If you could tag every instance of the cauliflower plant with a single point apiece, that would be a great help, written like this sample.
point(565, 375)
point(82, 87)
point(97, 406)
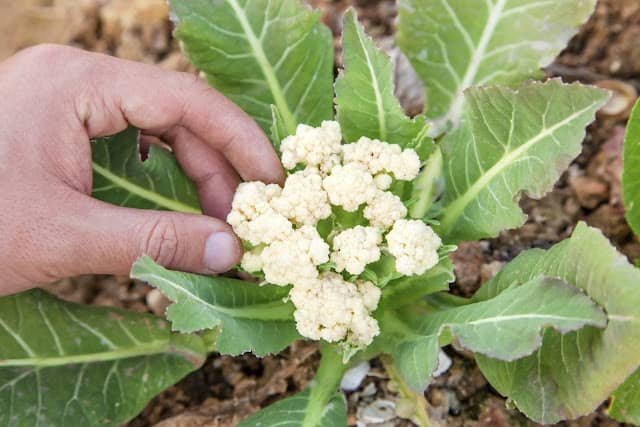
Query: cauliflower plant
point(329, 181)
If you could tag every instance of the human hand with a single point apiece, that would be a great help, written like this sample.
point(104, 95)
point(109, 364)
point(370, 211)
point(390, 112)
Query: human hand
point(53, 100)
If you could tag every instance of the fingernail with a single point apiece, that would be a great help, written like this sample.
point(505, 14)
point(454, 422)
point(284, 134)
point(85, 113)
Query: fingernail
point(220, 252)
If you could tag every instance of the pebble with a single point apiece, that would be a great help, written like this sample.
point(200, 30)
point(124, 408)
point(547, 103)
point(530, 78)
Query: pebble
point(354, 377)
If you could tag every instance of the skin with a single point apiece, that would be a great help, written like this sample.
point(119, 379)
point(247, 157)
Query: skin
point(53, 100)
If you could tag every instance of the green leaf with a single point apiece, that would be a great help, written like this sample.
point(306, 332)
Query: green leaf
point(250, 317)
point(365, 102)
point(570, 375)
point(290, 412)
point(510, 142)
point(631, 172)
point(121, 178)
point(625, 402)
point(63, 364)
point(409, 289)
point(261, 53)
point(506, 327)
point(456, 44)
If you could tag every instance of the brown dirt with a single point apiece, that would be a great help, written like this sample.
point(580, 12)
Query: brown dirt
point(227, 389)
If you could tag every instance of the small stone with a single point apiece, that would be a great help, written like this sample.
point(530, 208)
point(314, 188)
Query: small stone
point(354, 377)
point(157, 302)
point(378, 411)
point(590, 192)
point(488, 271)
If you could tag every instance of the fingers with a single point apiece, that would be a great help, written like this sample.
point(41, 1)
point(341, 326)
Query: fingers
point(151, 98)
point(214, 177)
point(107, 239)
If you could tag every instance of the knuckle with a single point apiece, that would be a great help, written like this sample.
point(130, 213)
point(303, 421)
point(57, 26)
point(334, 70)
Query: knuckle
point(160, 241)
point(44, 53)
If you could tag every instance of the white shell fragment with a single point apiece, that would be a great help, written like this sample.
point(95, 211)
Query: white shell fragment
point(354, 377)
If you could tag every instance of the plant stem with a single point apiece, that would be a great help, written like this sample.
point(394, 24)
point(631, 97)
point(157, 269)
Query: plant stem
point(424, 189)
point(419, 403)
point(325, 384)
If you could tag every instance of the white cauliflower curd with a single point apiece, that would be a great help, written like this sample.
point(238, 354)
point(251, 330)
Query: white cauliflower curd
point(311, 146)
point(332, 309)
point(303, 200)
point(414, 245)
point(294, 260)
point(349, 186)
point(356, 247)
point(384, 209)
point(377, 156)
point(280, 225)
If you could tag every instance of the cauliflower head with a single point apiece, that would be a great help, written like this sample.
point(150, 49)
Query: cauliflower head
point(280, 227)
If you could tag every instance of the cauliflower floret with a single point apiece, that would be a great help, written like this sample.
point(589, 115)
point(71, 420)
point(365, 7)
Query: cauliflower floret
point(294, 260)
point(349, 186)
point(251, 200)
point(266, 228)
point(384, 209)
point(312, 146)
point(303, 199)
point(378, 156)
point(370, 294)
point(252, 260)
point(383, 181)
point(414, 245)
point(406, 166)
point(356, 247)
point(332, 309)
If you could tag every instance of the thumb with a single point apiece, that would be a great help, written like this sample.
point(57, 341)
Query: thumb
point(111, 239)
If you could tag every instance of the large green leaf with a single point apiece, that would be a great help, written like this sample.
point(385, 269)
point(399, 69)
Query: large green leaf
point(625, 402)
point(63, 364)
point(261, 53)
point(571, 374)
point(456, 44)
point(120, 177)
point(631, 173)
point(250, 317)
point(365, 102)
point(506, 327)
point(510, 142)
point(290, 412)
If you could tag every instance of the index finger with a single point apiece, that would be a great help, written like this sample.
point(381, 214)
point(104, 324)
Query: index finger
point(150, 98)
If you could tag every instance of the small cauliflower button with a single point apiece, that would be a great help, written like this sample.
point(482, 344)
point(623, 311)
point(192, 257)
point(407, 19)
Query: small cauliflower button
point(252, 260)
point(311, 146)
point(384, 209)
point(251, 200)
point(349, 186)
point(356, 247)
point(414, 245)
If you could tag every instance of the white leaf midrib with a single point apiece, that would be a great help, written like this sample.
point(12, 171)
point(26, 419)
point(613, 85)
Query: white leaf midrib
point(265, 66)
point(455, 111)
point(382, 124)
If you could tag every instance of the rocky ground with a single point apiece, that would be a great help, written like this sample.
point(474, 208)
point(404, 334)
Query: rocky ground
point(605, 52)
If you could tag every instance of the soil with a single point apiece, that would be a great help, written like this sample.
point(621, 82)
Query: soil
point(225, 389)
